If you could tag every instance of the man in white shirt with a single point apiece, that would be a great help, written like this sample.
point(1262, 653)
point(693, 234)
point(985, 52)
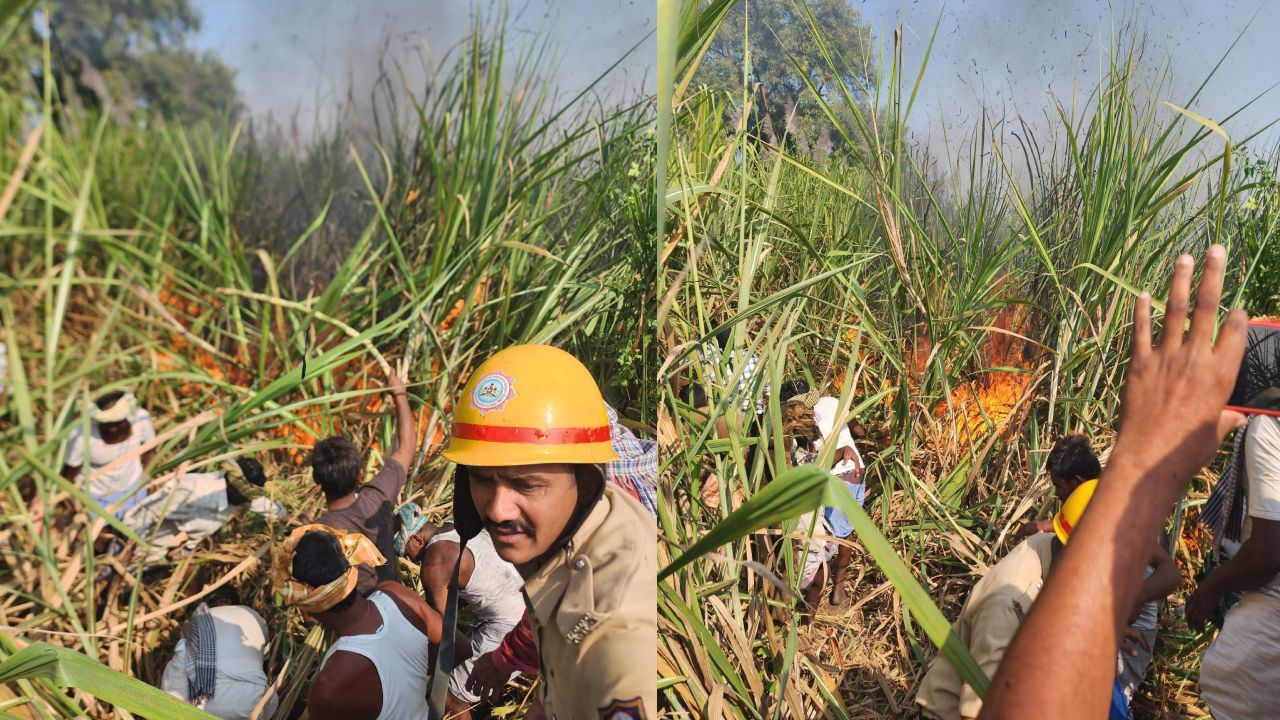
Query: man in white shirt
point(1240, 674)
point(217, 665)
point(849, 467)
point(118, 429)
point(194, 506)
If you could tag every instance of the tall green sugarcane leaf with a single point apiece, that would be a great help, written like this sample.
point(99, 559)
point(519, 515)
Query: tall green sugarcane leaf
point(69, 669)
point(806, 488)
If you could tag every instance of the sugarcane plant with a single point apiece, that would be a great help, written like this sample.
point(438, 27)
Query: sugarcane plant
point(968, 302)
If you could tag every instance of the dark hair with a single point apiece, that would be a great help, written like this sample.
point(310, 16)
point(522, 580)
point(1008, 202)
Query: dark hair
point(792, 388)
point(105, 401)
point(335, 466)
point(252, 470)
point(724, 337)
point(318, 560)
point(1072, 458)
point(695, 396)
point(225, 595)
point(253, 473)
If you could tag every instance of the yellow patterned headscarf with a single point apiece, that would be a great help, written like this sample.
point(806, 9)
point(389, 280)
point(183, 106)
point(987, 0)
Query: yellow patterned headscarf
point(356, 548)
point(234, 476)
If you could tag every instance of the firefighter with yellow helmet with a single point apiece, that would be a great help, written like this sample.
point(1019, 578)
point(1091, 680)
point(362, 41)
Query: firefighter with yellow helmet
point(530, 437)
point(994, 611)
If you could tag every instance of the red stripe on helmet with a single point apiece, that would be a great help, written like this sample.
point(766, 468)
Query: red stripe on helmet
point(537, 436)
point(1066, 526)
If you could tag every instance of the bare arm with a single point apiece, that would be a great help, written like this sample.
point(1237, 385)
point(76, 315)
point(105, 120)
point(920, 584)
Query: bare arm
point(1031, 527)
point(1180, 387)
point(437, 571)
point(1163, 581)
point(425, 618)
point(406, 433)
point(1257, 562)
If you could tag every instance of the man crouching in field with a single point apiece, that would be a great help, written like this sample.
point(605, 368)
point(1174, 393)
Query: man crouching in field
point(994, 611)
point(1072, 462)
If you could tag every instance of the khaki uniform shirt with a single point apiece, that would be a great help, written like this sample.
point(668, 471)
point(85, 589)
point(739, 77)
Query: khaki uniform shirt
point(995, 609)
point(593, 609)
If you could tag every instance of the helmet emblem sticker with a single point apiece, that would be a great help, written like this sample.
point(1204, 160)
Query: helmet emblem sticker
point(492, 392)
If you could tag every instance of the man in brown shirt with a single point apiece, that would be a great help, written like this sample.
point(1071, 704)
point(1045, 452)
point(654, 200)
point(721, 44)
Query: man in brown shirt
point(369, 509)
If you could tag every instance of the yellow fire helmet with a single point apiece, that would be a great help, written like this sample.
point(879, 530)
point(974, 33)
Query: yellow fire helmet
point(1073, 509)
point(526, 405)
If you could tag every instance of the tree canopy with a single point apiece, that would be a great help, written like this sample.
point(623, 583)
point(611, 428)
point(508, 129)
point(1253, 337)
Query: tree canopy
point(783, 55)
point(128, 57)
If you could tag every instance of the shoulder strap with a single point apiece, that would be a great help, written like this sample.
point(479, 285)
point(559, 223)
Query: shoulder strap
point(444, 658)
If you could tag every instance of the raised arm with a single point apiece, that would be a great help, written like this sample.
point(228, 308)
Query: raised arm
point(406, 432)
point(1180, 388)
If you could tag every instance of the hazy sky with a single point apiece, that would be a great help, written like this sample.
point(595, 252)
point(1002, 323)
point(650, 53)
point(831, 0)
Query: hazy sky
point(295, 55)
point(1009, 54)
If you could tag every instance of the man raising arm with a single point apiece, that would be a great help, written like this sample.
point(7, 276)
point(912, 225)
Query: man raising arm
point(368, 509)
point(1181, 387)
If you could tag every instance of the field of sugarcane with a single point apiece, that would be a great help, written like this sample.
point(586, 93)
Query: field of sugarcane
point(251, 293)
point(969, 303)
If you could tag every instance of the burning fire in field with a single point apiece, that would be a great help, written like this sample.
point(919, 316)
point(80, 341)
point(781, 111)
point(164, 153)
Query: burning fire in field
point(313, 421)
point(983, 405)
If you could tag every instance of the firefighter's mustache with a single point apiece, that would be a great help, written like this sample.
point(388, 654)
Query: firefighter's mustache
point(510, 526)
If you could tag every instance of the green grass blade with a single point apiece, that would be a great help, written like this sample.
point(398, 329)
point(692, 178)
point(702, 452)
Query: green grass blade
point(807, 488)
point(69, 669)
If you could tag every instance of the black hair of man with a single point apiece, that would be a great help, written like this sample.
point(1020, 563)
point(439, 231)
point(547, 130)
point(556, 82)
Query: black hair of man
point(695, 396)
point(725, 337)
point(335, 466)
point(318, 560)
point(253, 474)
point(224, 595)
point(1072, 458)
point(792, 388)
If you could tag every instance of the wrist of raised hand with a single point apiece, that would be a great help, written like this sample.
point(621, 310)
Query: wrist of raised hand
point(1161, 479)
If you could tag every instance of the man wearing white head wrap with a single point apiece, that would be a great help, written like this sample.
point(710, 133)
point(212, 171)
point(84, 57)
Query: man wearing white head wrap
point(117, 429)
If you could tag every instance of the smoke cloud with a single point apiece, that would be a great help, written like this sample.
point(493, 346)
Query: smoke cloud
point(1009, 55)
point(297, 60)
